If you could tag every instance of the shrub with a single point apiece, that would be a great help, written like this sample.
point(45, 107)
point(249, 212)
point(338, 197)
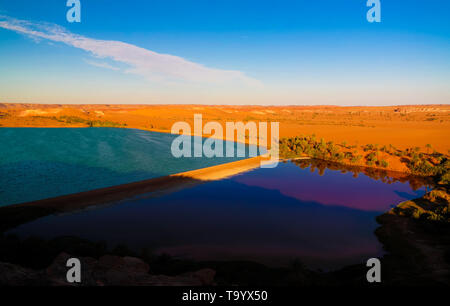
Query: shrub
point(356, 159)
point(422, 167)
point(371, 157)
point(384, 163)
point(445, 179)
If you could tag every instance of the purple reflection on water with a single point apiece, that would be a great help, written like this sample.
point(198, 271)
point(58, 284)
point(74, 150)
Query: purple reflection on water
point(332, 187)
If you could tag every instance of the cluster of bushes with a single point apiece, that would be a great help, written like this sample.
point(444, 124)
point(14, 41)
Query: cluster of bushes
point(391, 150)
point(91, 123)
point(373, 159)
point(87, 122)
point(72, 119)
point(419, 163)
point(310, 146)
point(438, 165)
point(98, 123)
point(408, 152)
point(370, 147)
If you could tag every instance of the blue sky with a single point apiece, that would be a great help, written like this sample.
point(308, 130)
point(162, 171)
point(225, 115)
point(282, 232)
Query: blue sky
point(225, 52)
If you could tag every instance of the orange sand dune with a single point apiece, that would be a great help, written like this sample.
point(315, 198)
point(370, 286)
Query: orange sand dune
point(401, 126)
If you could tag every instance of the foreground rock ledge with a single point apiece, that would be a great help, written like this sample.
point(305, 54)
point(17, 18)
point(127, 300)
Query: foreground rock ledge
point(416, 234)
point(106, 271)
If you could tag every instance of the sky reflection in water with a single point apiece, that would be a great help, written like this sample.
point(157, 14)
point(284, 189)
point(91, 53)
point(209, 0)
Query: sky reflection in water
point(268, 215)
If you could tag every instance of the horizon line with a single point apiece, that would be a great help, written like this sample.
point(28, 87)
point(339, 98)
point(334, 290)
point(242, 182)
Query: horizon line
point(223, 105)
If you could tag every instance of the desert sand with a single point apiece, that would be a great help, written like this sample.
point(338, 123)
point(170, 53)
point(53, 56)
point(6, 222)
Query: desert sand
point(404, 127)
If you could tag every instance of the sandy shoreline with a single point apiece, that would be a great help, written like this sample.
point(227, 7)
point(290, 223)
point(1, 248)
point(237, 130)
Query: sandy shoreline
point(14, 215)
point(158, 185)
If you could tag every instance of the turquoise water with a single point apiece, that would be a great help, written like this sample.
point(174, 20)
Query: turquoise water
point(39, 163)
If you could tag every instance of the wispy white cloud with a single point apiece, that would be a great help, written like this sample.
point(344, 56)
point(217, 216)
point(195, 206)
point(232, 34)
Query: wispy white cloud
point(100, 64)
point(149, 64)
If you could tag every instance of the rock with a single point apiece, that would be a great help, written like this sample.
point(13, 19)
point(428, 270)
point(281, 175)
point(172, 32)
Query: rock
point(13, 275)
point(57, 271)
point(110, 261)
point(118, 271)
point(163, 280)
point(205, 276)
point(58, 267)
point(134, 264)
point(109, 270)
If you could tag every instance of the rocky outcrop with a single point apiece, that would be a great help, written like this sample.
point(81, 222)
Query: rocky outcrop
point(108, 270)
point(433, 206)
point(416, 235)
point(13, 275)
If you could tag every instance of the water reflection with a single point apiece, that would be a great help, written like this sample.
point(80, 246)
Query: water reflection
point(385, 176)
point(333, 184)
point(266, 215)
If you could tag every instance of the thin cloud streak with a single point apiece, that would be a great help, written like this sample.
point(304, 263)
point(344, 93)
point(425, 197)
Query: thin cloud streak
point(149, 64)
point(100, 64)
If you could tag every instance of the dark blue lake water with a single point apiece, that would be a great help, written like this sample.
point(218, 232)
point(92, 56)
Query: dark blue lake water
point(324, 216)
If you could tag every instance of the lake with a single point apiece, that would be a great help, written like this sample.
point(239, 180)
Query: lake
point(320, 213)
point(39, 163)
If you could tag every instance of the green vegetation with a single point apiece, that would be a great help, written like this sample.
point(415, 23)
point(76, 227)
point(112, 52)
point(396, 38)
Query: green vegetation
point(308, 145)
point(72, 119)
point(436, 165)
point(384, 163)
point(320, 149)
point(371, 159)
point(356, 159)
point(98, 123)
point(88, 122)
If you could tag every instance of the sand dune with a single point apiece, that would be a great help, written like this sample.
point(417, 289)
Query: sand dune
point(401, 126)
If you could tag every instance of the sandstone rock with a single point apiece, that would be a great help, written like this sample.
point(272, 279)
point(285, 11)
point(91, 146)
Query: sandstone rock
point(205, 276)
point(134, 264)
point(13, 275)
point(110, 261)
point(109, 270)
